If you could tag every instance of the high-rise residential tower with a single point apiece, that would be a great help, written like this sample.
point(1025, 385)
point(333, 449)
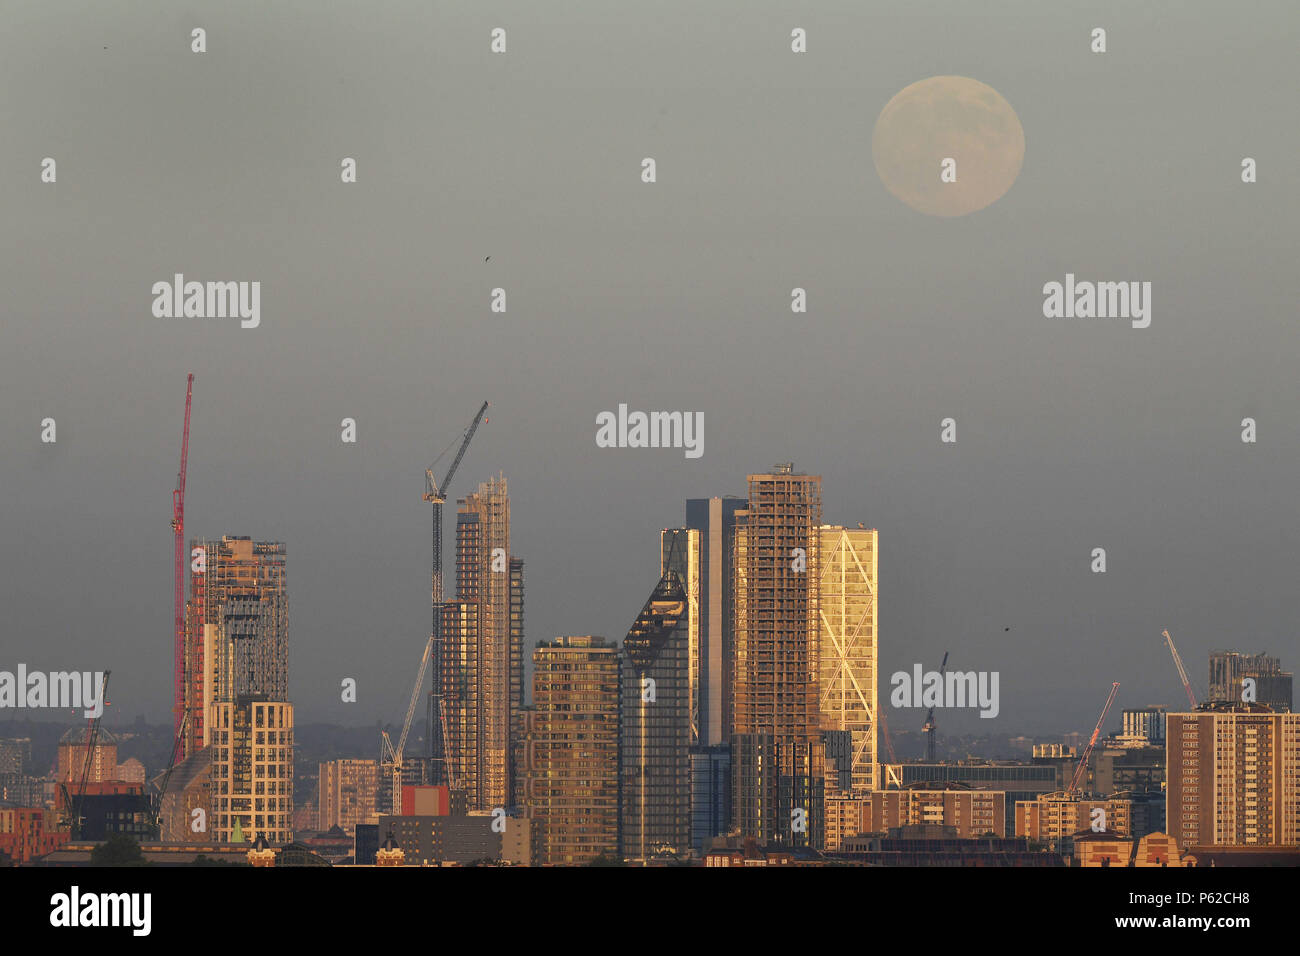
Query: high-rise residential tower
point(655, 726)
point(778, 769)
point(482, 654)
point(571, 751)
point(518, 692)
point(1233, 777)
point(251, 775)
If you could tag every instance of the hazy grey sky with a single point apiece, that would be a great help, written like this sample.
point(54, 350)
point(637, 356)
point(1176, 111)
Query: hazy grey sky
point(1072, 434)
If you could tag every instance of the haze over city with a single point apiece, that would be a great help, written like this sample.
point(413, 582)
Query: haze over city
point(1071, 434)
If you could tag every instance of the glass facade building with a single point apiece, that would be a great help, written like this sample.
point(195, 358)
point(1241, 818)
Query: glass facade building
point(656, 727)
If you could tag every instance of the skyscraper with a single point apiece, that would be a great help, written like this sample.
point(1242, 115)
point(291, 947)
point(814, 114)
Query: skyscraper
point(656, 728)
point(237, 684)
point(463, 694)
point(777, 560)
point(572, 750)
point(518, 692)
point(237, 629)
point(848, 648)
point(701, 554)
point(680, 555)
point(482, 675)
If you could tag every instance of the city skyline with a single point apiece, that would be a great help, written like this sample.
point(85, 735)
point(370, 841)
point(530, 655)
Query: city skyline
point(1169, 690)
point(376, 305)
point(601, 436)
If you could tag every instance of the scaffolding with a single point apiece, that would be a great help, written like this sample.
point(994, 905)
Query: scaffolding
point(237, 629)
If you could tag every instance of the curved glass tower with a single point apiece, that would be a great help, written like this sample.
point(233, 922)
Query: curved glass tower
point(656, 727)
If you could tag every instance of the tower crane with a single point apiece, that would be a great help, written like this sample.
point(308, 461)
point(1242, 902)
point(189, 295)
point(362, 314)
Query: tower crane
point(1092, 742)
point(930, 725)
point(435, 492)
point(1178, 662)
point(178, 591)
point(391, 756)
point(157, 807)
point(73, 801)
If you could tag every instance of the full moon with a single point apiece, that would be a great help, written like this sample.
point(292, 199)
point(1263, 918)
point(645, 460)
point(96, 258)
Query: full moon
point(942, 119)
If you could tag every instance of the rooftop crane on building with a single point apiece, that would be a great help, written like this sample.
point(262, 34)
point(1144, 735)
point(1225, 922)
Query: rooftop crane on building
point(178, 590)
point(930, 725)
point(1082, 768)
point(435, 493)
point(1182, 673)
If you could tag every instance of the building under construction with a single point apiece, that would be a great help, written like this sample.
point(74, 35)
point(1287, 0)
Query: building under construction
point(1273, 686)
point(236, 685)
point(482, 649)
point(237, 629)
point(777, 562)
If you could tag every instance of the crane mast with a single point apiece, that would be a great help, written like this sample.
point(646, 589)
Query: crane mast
point(156, 809)
point(391, 756)
point(178, 590)
point(1182, 673)
point(436, 494)
point(74, 801)
point(930, 725)
point(1092, 741)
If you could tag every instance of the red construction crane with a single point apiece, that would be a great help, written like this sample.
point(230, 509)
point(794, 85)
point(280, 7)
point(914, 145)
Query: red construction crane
point(1178, 662)
point(1092, 741)
point(178, 530)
